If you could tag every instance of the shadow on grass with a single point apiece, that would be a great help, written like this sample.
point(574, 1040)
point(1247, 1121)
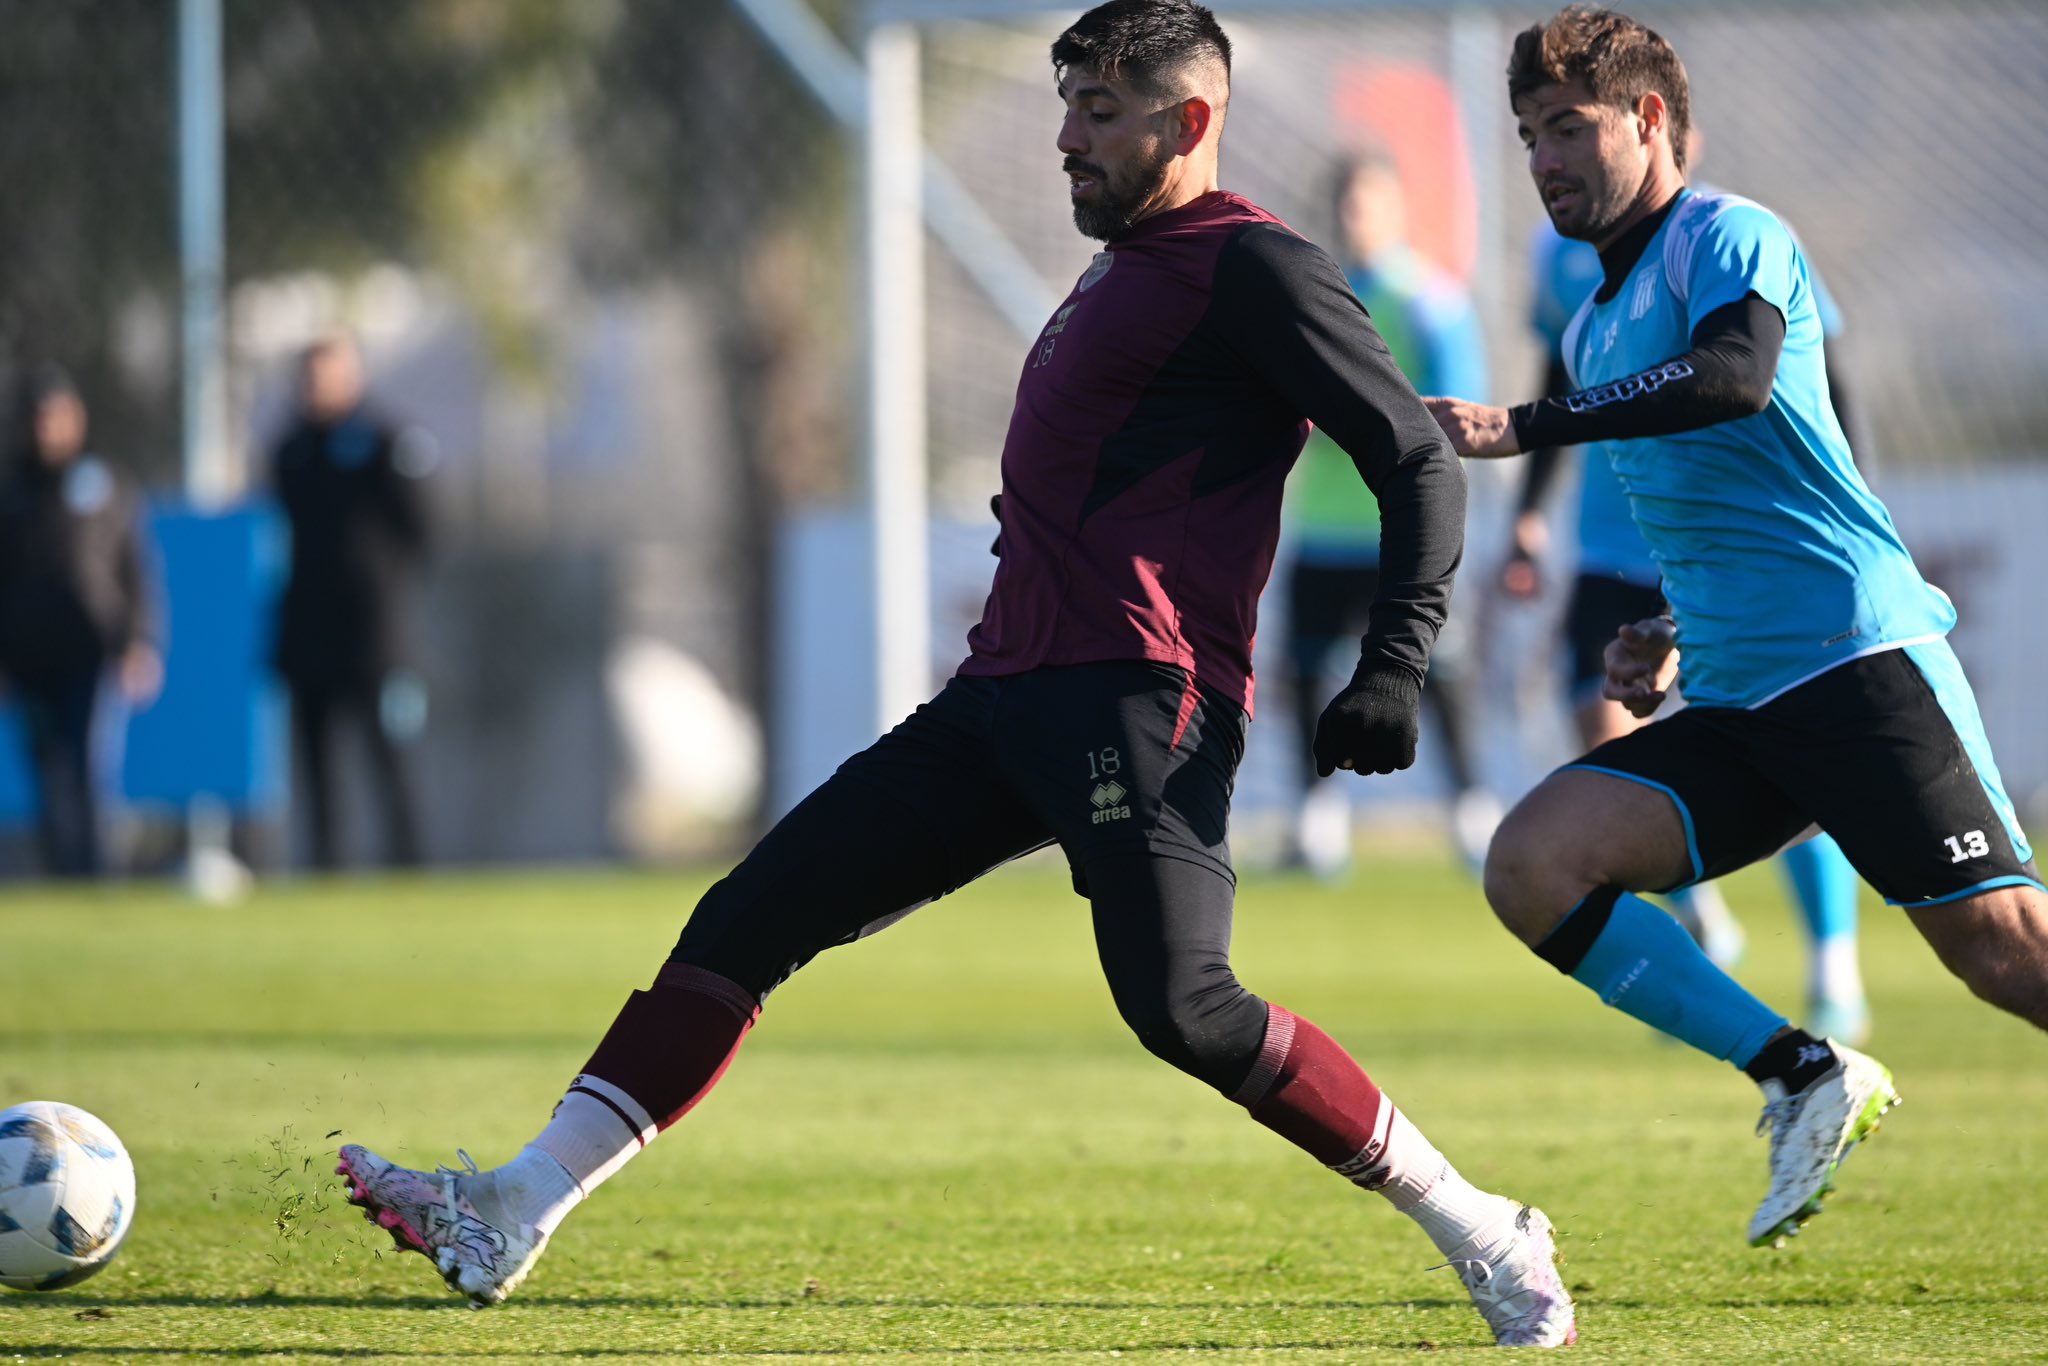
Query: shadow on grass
point(79, 1306)
point(93, 1308)
point(644, 1354)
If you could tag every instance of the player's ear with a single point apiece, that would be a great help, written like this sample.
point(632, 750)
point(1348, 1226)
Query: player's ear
point(1652, 114)
point(1191, 119)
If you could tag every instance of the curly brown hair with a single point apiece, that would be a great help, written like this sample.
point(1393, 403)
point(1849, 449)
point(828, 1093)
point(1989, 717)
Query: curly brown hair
point(1617, 59)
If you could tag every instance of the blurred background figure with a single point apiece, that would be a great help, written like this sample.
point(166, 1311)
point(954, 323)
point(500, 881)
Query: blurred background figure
point(351, 486)
point(645, 356)
point(1616, 581)
point(1425, 316)
point(78, 618)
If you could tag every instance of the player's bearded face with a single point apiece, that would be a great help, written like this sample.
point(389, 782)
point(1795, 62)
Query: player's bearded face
point(1117, 154)
point(1109, 197)
point(1588, 169)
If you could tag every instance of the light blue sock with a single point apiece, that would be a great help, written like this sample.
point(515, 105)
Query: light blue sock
point(1644, 964)
point(1824, 884)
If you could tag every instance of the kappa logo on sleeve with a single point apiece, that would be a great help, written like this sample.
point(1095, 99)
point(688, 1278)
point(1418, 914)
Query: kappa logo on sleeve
point(1634, 386)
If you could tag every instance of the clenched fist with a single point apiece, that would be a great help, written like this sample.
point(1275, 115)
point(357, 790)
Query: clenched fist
point(1642, 664)
point(1370, 727)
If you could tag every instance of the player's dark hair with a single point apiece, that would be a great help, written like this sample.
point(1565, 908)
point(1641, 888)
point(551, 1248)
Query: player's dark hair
point(1148, 44)
point(1617, 59)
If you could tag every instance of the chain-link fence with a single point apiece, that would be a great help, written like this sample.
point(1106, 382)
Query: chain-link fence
point(600, 251)
point(1869, 128)
point(1905, 144)
point(607, 253)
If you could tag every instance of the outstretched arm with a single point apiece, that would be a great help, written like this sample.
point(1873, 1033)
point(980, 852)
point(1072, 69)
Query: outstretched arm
point(1726, 375)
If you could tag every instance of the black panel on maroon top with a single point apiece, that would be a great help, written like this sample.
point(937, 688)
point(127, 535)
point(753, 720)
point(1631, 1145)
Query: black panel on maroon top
point(1156, 419)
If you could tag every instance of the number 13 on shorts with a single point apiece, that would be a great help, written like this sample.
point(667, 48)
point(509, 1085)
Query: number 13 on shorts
point(1971, 845)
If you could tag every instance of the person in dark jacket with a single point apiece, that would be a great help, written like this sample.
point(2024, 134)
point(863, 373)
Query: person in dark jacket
point(77, 621)
point(351, 484)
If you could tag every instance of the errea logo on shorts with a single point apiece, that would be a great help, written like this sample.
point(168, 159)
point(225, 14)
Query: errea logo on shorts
point(1107, 799)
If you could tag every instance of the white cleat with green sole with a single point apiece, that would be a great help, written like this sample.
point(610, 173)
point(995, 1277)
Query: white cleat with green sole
point(1812, 1131)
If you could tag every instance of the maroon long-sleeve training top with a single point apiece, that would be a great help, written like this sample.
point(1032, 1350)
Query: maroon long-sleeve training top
point(1157, 417)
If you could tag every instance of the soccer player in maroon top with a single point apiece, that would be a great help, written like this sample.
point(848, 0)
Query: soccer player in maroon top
point(1103, 703)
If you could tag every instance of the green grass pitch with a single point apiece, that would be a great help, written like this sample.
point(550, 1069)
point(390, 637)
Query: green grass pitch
point(940, 1146)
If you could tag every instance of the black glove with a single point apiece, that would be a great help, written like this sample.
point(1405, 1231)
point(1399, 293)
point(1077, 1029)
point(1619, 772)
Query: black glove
point(995, 505)
point(1370, 727)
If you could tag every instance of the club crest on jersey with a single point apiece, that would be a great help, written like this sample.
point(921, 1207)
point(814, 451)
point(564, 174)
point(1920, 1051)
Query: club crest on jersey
point(1645, 296)
point(1097, 268)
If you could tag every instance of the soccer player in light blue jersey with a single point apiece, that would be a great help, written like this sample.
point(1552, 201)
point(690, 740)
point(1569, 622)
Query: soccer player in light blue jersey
point(1822, 690)
point(1617, 581)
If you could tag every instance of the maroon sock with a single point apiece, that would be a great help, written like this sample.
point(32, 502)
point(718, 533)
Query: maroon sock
point(671, 1043)
point(1308, 1090)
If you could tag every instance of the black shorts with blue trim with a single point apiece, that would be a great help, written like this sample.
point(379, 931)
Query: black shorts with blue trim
point(1884, 752)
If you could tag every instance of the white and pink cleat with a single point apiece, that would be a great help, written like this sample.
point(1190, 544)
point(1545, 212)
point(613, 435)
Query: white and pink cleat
point(435, 1214)
point(1511, 1273)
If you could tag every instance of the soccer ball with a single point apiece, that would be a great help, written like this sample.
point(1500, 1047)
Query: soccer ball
point(67, 1195)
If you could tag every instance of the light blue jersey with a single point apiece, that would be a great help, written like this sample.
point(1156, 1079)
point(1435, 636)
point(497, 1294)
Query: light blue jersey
point(1777, 561)
point(1565, 274)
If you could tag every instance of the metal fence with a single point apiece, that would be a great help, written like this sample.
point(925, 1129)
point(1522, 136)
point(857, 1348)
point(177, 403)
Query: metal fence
point(608, 253)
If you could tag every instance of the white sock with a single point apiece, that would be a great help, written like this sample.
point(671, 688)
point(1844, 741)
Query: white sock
point(1425, 1186)
point(534, 1188)
point(595, 1130)
point(1837, 976)
point(1456, 1213)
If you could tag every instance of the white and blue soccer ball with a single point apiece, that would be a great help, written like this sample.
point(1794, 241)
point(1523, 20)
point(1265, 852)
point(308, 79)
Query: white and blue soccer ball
point(67, 1195)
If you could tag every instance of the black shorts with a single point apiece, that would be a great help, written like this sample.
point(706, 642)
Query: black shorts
point(1115, 758)
point(1599, 607)
point(1111, 758)
point(1886, 753)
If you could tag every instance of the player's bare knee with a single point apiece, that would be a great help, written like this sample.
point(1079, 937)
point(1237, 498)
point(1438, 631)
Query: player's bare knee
point(1532, 879)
